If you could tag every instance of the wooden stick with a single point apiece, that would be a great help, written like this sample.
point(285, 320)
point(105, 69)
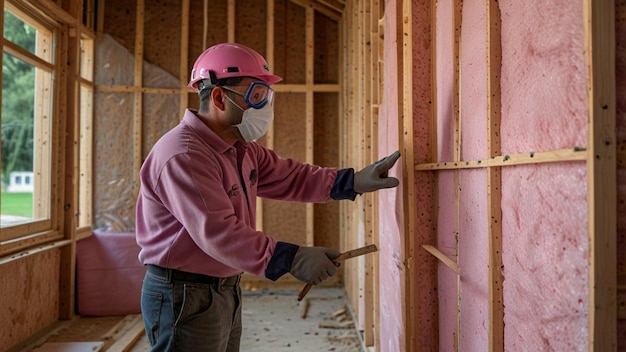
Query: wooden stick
point(442, 257)
point(343, 256)
point(304, 308)
point(558, 155)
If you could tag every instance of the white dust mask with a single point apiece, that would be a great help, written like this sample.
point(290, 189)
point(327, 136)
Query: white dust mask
point(255, 122)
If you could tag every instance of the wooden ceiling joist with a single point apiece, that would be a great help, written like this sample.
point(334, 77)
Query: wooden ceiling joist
point(334, 4)
point(330, 8)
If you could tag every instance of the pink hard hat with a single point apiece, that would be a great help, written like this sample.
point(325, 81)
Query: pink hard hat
point(230, 60)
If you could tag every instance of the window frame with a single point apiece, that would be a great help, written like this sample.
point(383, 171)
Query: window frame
point(86, 93)
point(48, 136)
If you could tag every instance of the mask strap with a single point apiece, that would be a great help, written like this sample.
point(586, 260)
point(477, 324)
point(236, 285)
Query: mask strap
point(240, 108)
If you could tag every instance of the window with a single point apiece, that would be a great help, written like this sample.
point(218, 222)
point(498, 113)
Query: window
point(27, 116)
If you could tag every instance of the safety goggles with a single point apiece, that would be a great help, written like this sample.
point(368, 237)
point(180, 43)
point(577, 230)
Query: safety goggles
point(257, 95)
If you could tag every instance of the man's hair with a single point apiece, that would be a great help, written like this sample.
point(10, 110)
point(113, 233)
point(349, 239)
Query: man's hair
point(205, 93)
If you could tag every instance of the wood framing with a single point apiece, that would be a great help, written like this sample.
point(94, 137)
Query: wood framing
point(363, 84)
point(373, 299)
point(371, 83)
point(138, 97)
point(344, 103)
point(457, 151)
point(453, 265)
point(599, 27)
point(551, 156)
point(309, 113)
point(44, 250)
point(309, 88)
point(600, 156)
point(70, 52)
point(322, 7)
point(405, 138)
point(494, 179)
point(184, 55)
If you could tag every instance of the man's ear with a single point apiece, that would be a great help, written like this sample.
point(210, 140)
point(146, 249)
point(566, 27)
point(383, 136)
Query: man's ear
point(218, 98)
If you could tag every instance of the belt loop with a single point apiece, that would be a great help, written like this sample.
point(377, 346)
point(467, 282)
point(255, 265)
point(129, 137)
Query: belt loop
point(221, 283)
point(168, 275)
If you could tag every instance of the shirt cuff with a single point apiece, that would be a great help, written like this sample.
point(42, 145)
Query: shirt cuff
point(343, 188)
point(280, 262)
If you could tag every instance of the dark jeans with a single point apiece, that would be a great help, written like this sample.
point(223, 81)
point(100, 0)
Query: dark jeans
point(191, 315)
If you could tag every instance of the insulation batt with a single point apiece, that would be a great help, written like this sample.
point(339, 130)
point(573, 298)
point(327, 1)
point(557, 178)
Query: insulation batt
point(545, 257)
point(544, 207)
point(543, 85)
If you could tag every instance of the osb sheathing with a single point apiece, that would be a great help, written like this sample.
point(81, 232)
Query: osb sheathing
point(325, 60)
point(326, 136)
point(289, 42)
point(29, 300)
point(285, 219)
point(115, 203)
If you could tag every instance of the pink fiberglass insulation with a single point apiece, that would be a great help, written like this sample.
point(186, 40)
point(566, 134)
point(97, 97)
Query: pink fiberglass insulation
point(473, 241)
point(391, 274)
point(390, 254)
point(472, 189)
point(544, 207)
point(447, 244)
point(545, 256)
point(474, 90)
point(446, 214)
point(472, 306)
point(543, 76)
point(445, 81)
point(473, 260)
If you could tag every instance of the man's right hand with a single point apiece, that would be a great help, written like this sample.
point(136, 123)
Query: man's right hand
point(314, 264)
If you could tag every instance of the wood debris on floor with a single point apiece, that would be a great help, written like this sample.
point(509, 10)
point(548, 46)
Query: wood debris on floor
point(276, 321)
point(273, 320)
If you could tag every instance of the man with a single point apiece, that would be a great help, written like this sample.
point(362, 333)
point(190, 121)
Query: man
point(197, 203)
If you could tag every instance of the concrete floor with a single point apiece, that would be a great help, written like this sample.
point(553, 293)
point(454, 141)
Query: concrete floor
point(272, 322)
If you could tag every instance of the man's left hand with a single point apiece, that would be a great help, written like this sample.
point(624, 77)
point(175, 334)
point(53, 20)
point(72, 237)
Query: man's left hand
point(375, 176)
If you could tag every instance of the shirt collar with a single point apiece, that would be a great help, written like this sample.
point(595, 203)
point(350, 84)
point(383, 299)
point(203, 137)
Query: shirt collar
point(205, 132)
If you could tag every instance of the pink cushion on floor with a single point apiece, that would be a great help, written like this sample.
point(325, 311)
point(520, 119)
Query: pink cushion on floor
point(108, 274)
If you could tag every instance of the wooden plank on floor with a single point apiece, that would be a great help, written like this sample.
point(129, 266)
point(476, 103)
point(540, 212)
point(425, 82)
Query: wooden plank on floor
point(131, 335)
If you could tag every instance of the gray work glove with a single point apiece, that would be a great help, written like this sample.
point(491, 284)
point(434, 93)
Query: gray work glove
point(314, 264)
point(374, 176)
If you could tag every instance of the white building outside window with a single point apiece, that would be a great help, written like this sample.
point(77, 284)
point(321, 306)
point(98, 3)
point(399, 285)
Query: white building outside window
point(21, 182)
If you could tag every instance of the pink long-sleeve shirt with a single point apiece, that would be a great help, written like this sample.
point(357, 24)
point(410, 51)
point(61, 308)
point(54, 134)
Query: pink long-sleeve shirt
point(196, 208)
